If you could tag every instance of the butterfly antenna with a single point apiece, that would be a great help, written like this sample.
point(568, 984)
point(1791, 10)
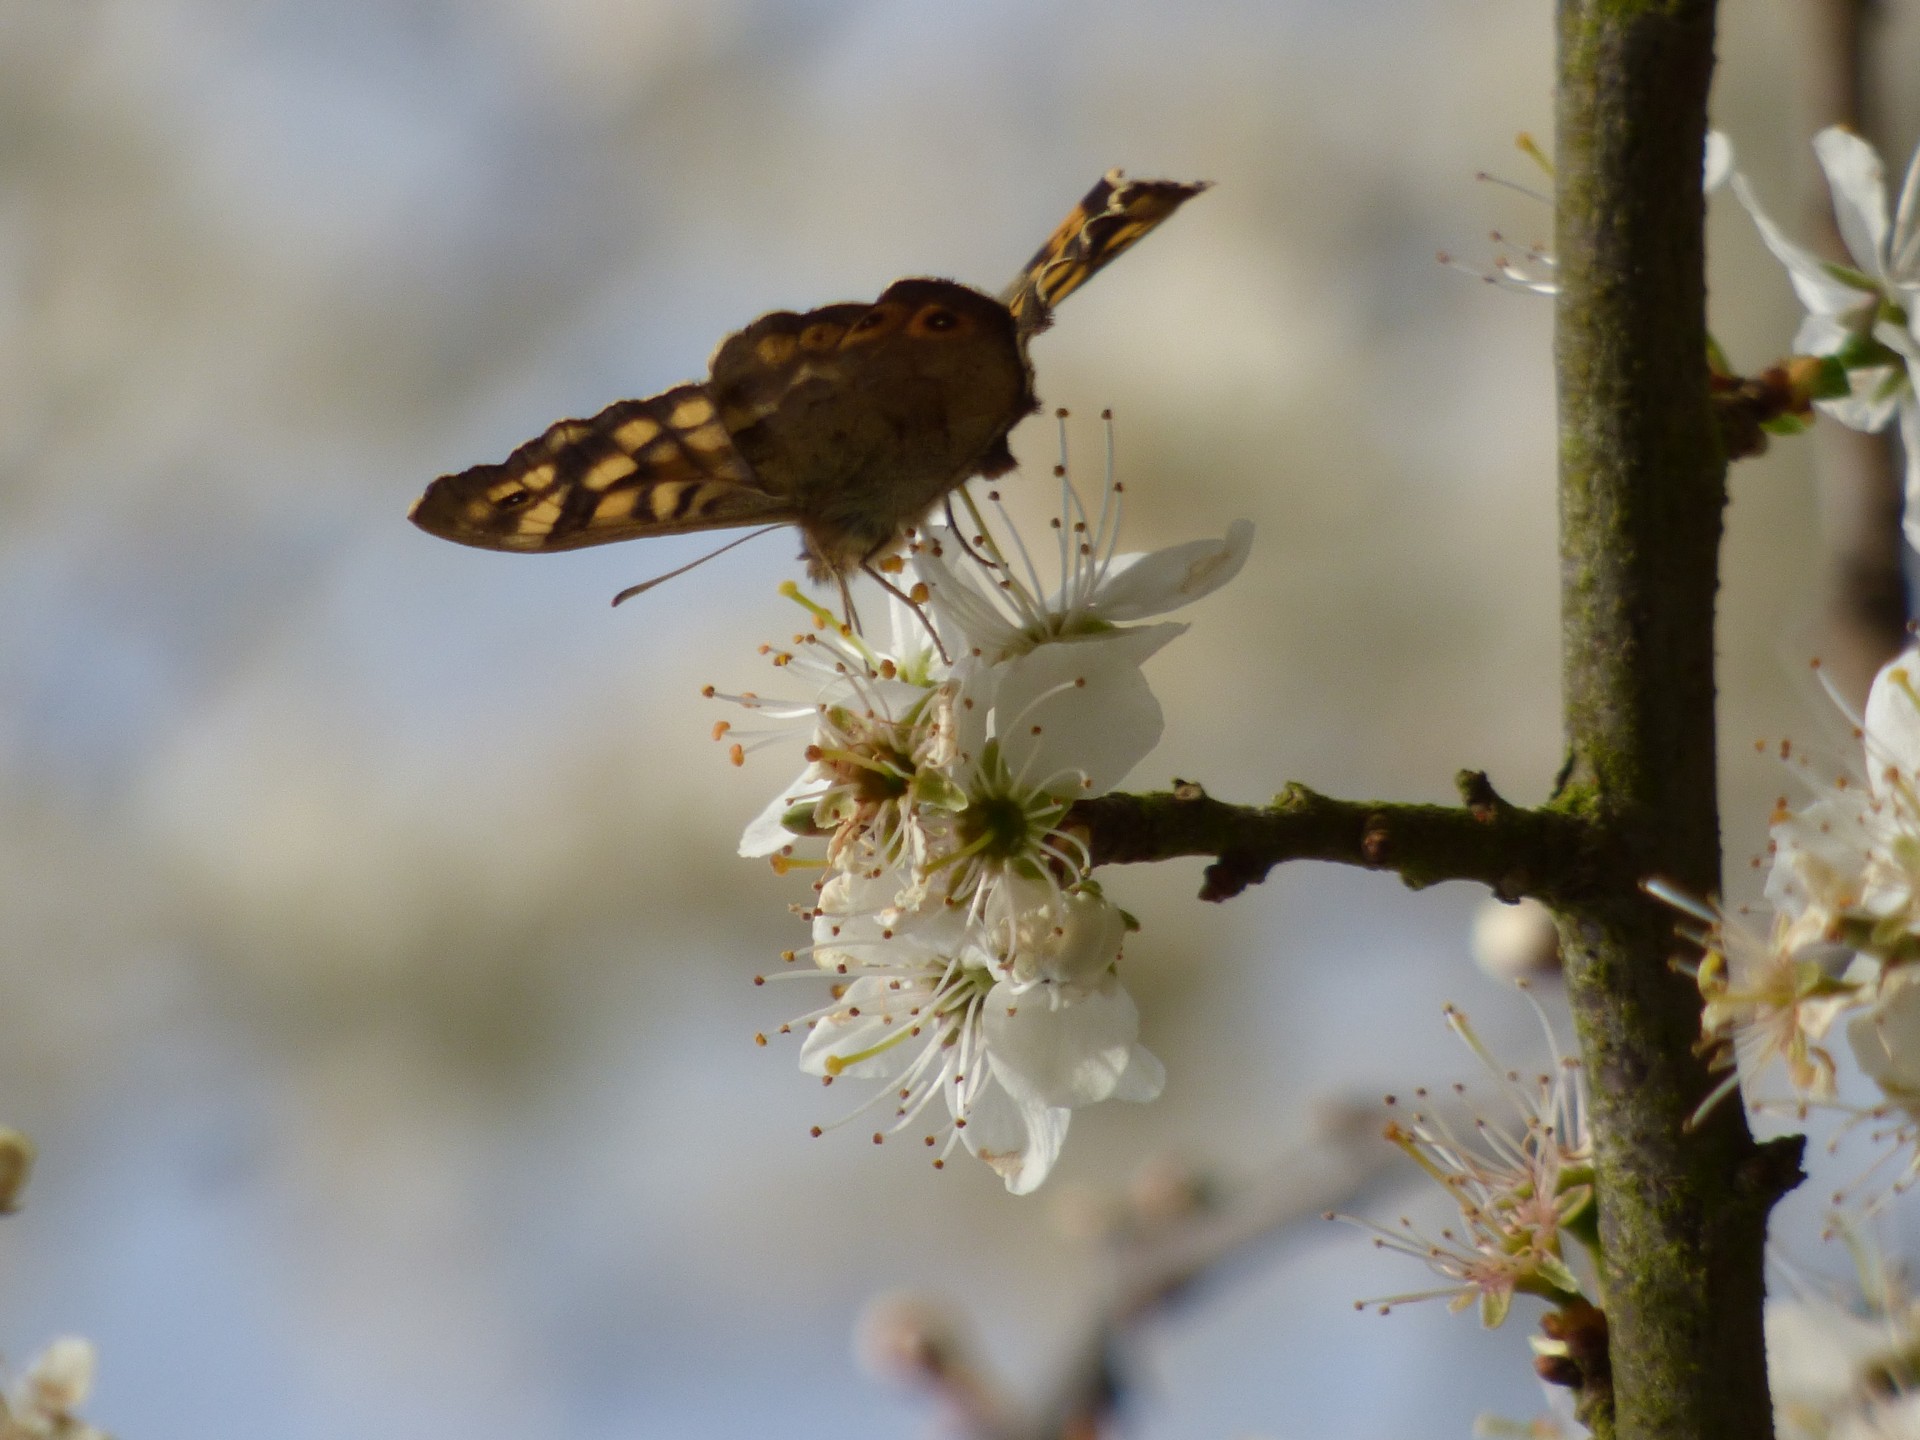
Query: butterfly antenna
point(646, 585)
point(912, 604)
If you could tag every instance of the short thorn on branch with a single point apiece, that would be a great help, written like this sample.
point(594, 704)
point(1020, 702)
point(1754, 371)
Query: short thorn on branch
point(1483, 802)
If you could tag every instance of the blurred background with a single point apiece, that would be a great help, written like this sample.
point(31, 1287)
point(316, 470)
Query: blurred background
point(374, 962)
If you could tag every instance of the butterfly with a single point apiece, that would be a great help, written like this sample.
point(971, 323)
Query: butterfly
point(849, 422)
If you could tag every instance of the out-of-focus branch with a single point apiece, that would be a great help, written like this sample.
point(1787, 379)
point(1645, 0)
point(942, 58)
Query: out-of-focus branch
point(1543, 853)
point(1168, 1252)
point(1864, 599)
point(1158, 1266)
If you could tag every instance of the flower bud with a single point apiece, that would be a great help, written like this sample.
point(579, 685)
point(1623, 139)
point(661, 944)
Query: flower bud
point(1512, 942)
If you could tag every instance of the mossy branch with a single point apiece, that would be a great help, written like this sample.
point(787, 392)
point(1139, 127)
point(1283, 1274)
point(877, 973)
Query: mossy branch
point(1543, 853)
point(1642, 487)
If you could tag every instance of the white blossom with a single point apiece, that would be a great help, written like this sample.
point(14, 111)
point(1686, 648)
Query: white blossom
point(1522, 1193)
point(1000, 607)
point(1847, 865)
point(1765, 997)
point(1865, 314)
point(929, 1012)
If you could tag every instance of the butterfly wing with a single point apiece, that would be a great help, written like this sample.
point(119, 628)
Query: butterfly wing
point(1111, 218)
point(657, 466)
point(848, 421)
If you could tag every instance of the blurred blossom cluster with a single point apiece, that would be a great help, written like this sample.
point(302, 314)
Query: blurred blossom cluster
point(44, 1403)
point(973, 960)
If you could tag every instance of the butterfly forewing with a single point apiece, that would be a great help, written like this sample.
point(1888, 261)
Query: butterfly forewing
point(640, 467)
point(1109, 219)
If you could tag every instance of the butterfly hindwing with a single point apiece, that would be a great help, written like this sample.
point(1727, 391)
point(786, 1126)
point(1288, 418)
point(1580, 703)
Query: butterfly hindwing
point(656, 466)
point(1109, 219)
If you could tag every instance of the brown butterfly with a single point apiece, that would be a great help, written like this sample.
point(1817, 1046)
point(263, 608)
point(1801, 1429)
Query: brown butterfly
point(849, 421)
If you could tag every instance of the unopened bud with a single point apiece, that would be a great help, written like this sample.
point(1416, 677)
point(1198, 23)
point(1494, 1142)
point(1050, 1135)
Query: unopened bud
point(1511, 942)
point(1558, 1370)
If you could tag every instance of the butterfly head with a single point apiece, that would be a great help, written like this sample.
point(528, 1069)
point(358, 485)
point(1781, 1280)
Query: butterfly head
point(933, 311)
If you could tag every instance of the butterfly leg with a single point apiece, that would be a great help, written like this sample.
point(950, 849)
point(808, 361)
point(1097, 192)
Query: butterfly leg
point(960, 535)
point(912, 604)
point(847, 612)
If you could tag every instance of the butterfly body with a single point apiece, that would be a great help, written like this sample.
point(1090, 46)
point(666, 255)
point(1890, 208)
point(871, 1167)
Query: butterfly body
point(861, 417)
point(849, 422)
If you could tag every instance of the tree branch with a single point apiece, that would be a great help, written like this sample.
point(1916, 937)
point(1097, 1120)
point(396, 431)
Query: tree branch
point(1515, 852)
point(1642, 485)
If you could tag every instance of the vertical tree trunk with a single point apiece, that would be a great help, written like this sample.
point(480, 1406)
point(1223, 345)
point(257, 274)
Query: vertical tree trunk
point(1642, 486)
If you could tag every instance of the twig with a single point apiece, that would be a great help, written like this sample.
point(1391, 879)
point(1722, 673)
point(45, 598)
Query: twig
point(1543, 853)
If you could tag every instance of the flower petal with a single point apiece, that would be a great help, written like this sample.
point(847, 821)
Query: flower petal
point(764, 833)
point(1819, 854)
point(1020, 1139)
point(1892, 721)
point(1137, 586)
point(1817, 1353)
point(1144, 1078)
point(1910, 441)
point(1818, 288)
point(1057, 1051)
point(870, 1034)
point(1886, 1042)
point(1903, 261)
point(1859, 188)
point(1718, 161)
point(1079, 708)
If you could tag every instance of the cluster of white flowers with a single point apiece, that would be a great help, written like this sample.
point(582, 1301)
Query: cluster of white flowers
point(971, 956)
point(1865, 317)
point(1842, 943)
